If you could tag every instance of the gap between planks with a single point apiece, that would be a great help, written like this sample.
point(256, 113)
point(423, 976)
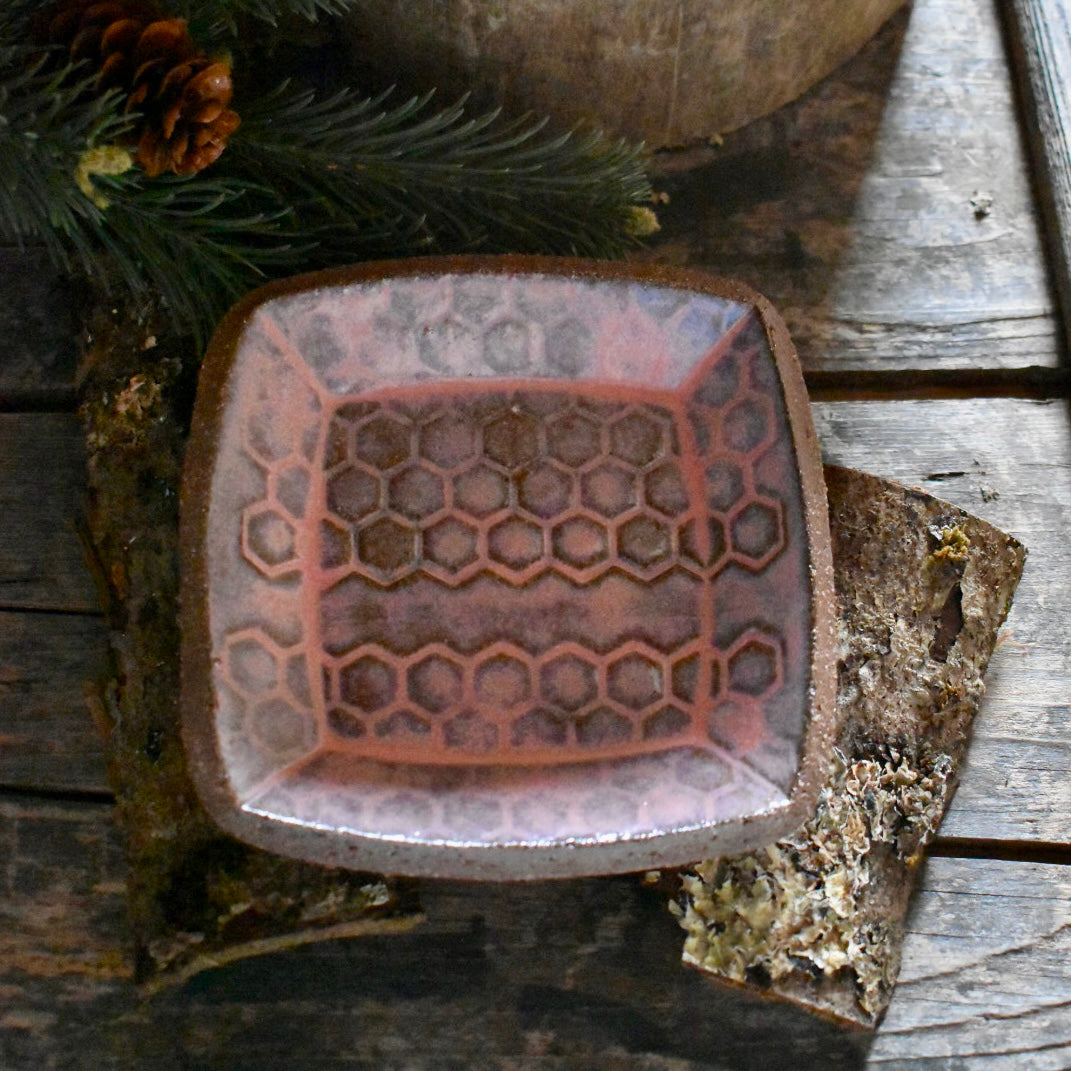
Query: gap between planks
point(1033, 382)
point(1048, 852)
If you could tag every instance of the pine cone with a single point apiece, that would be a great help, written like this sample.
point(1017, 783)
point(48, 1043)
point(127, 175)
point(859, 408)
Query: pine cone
point(192, 120)
point(180, 94)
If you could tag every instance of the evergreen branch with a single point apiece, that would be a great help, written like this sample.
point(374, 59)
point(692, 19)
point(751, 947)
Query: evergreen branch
point(470, 182)
point(305, 182)
point(46, 125)
point(195, 241)
point(201, 243)
point(15, 16)
point(223, 18)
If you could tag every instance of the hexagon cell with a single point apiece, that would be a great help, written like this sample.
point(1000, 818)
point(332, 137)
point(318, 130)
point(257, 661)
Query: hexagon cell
point(580, 542)
point(545, 491)
point(664, 490)
point(573, 439)
point(435, 683)
point(387, 546)
point(269, 540)
point(753, 669)
point(506, 347)
point(415, 492)
point(278, 727)
point(449, 441)
point(609, 489)
point(603, 727)
point(724, 485)
point(369, 684)
point(539, 728)
point(502, 682)
point(515, 542)
point(636, 438)
point(451, 544)
point(568, 682)
point(252, 666)
point(746, 426)
point(756, 530)
point(666, 723)
point(352, 494)
point(481, 491)
point(635, 681)
point(382, 442)
point(644, 541)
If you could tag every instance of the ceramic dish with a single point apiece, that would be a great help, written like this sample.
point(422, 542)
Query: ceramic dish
point(505, 568)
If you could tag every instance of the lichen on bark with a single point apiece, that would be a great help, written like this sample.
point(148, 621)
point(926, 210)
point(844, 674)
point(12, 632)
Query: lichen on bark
point(818, 917)
point(799, 905)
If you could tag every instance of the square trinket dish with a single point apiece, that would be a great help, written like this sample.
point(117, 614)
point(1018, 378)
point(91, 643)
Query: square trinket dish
point(505, 568)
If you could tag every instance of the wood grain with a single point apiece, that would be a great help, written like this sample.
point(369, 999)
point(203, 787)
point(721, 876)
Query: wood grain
point(1005, 460)
point(984, 981)
point(42, 480)
point(47, 741)
point(858, 210)
point(551, 977)
point(1009, 462)
point(39, 329)
point(1039, 32)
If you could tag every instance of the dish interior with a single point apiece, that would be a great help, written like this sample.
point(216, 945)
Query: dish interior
point(507, 560)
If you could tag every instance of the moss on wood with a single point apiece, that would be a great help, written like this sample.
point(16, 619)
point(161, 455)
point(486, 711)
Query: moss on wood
point(197, 897)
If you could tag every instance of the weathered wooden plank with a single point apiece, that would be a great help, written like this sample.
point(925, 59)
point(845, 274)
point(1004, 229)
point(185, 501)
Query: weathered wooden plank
point(47, 741)
point(888, 214)
point(1009, 462)
point(976, 454)
point(64, 954)
point(39, 353)
point(1039, 32)
point(554, 977)
point(42, 481)
point(985, 981)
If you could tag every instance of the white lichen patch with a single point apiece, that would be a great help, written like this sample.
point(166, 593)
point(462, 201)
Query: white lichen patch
point(798, 908)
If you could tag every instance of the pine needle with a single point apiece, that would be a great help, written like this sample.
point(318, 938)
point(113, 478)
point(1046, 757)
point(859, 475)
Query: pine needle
point(306, 181)
point(460, 182)
point(225, 17)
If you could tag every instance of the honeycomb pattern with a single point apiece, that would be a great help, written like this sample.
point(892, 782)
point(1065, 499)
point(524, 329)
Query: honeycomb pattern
point(513, 485)
point(272, 682)
point(568, 701)
point(643, 529)
point(524, 483)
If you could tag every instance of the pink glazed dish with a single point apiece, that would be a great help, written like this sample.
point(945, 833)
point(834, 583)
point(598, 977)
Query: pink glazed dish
point(505, 568)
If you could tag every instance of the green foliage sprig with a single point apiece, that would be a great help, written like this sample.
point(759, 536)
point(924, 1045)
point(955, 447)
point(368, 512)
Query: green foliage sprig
point(308, 180)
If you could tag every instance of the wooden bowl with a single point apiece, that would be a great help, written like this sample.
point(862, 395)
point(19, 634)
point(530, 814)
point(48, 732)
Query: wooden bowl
point(665, 71)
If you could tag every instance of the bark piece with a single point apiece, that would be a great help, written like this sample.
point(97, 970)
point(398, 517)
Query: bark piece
point(197, 897)
point(818, 918)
